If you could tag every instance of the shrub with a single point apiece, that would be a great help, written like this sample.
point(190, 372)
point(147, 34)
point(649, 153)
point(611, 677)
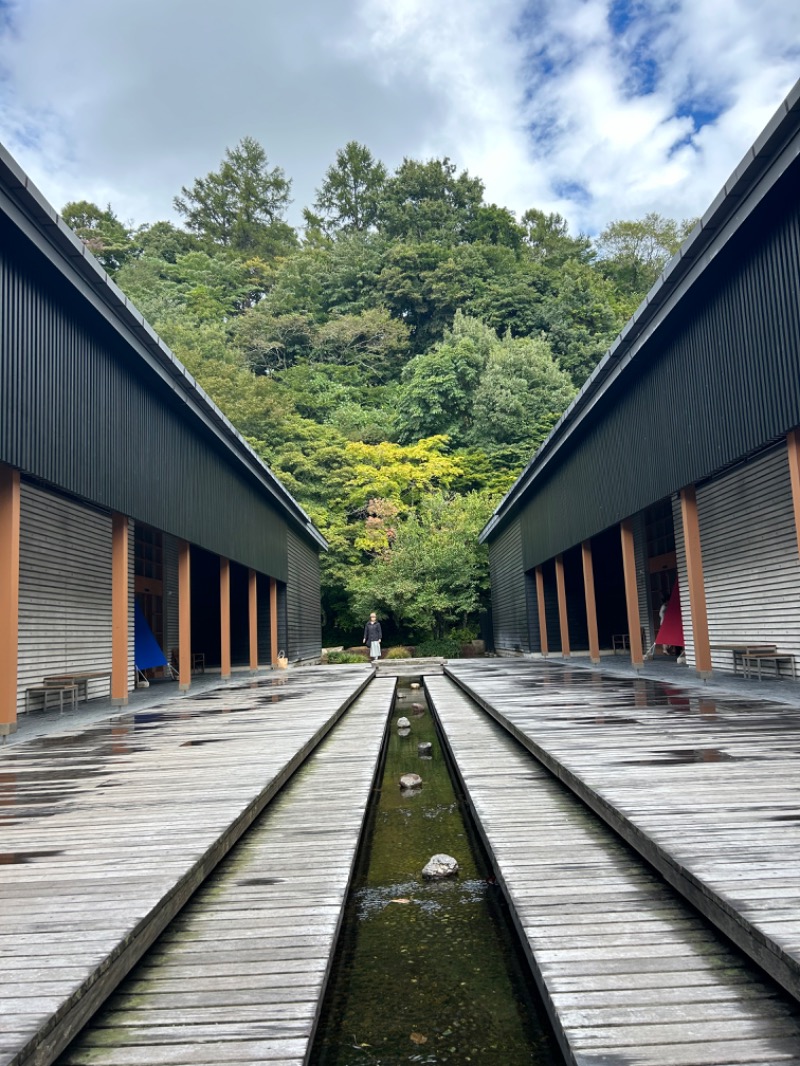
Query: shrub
point(344, 657)
point(398, 653)
point(446, 648)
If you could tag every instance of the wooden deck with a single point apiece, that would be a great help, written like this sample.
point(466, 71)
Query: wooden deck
point(108, 832)
point(239, 976)
point(706, 789)
point(629, 973)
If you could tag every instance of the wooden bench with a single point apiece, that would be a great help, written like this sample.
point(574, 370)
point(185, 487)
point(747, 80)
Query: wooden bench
point(755, 660)
point(81, 679)
point(46, 690)
point(744, 649)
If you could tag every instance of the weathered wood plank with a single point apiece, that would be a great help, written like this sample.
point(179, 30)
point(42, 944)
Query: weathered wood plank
point(194, 991)
point(135, 813)
point(706, 788)
point(658, 987)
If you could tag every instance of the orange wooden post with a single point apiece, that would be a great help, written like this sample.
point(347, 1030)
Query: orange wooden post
point(591, 605)
point(225, 616)
point(252, 589)
point(184, 615)
point(793, 444)
point(273, 620)
point(695, 580)
point(542, 615)
point(119, 609)
point(631, 593)
point(563, 621)
point(9, 596)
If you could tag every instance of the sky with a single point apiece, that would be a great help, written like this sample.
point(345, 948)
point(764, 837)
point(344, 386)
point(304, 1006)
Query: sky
point(597, 109)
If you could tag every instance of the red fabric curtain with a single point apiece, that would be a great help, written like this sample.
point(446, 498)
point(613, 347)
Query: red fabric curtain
point(671, 631)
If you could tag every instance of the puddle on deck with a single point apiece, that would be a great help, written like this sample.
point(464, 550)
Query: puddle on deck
point(426, 972)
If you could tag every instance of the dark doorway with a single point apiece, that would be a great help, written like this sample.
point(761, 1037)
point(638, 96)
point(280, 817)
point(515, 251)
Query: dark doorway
point(205, 605)
point(609, 585)
point(240, 615)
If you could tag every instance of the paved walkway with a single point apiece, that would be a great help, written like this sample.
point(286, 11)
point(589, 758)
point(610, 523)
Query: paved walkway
point(705, 785)
point(108, 830)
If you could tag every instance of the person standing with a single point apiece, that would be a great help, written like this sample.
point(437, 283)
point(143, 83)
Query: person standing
point(373, 635)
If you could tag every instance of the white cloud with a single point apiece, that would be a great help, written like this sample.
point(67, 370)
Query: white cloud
point(585, 106)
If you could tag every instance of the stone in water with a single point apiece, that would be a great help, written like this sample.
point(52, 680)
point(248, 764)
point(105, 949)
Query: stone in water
point(425, 749)
point(414, 684)
point(410, 781)
point(440, 866)
point(417, 708)
point(403, 723)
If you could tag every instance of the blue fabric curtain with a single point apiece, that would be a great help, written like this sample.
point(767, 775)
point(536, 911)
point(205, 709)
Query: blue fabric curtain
point(147, 653)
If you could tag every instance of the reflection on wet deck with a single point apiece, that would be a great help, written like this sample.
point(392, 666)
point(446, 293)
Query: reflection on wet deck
point(107, 831)
point(707, 788)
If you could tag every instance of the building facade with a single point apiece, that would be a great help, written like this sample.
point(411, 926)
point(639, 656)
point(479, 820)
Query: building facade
point(679, 460)
point(121, 483)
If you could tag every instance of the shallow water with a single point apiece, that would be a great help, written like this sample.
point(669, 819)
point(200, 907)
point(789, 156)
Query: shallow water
point(426, 971)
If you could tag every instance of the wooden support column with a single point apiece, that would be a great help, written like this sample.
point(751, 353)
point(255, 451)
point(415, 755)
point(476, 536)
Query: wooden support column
point(563, 621)
point(542, 615)
point(591, 605)
point(252, 588)
point(273, 620)
point(119, 609)
point(631, 593)
point(793, 444)
point(9, 596)
point(695, 580)
point(184, 615)
point(225, 617)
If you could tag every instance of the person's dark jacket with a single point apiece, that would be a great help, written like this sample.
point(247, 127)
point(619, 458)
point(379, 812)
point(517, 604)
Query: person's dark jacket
point(372, 631)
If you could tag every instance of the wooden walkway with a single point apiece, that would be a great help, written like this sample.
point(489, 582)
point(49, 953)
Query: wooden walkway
point(239, 976)
point(107, 833)
point(629, 974)
point(706, 789)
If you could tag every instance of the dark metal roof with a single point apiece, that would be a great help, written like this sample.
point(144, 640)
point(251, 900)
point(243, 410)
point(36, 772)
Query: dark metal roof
point(32, 213)
point(777, 147)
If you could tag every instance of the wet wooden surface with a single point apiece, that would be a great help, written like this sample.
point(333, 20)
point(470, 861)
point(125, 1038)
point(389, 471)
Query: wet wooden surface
point(107, 832)
point(707, 789)
point(629, 973)
point(239, 976)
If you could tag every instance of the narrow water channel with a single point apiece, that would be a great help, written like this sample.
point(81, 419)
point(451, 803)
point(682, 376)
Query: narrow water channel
point(427, 972)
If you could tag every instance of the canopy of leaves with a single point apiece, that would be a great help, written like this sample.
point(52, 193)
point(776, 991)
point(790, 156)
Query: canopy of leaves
point(241, 205)
point(397, 366)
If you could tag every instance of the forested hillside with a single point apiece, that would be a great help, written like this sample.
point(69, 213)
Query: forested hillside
point(396, 362)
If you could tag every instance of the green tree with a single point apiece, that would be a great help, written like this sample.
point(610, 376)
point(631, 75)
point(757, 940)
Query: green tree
point(429, 201)
point(348, 198)
point(581, 315)
point(548, 240)
point(438, 387)
point(109, 241)
point(633, 253)
point(431, 572)
point(241, 205)
point(521, 395)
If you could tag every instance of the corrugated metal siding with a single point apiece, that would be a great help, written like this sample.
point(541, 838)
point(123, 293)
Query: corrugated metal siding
point(532, 610)
point(170, 557)
point(642, 574)
point(303, 601)
point(509, 617)
point(65, 591)
point(750, 559)
point(683, 581)
point(80, 411)
point(718, 381)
